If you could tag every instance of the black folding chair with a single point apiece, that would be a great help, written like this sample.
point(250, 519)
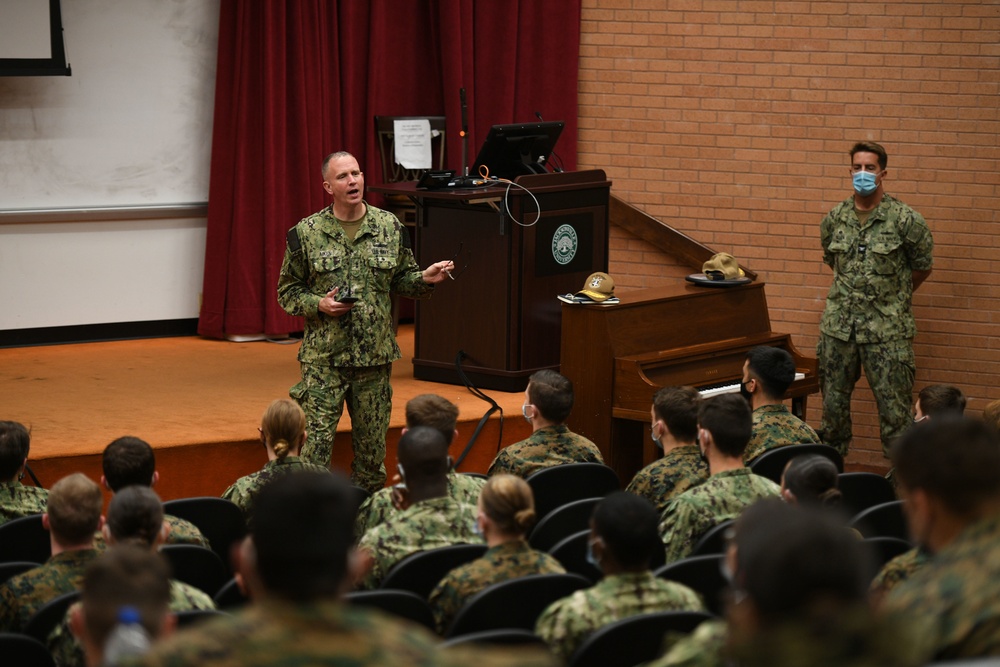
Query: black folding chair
point(885, 520)
point(14, 568)
point(702, 574)
point(218, 519)
point(421, 572)
point(25, 539)
point(634, 640)
point(197, 566)
point(861, 490)
point(24, 651)
point(562, 522)
point(772, 463)
point(230, 596)
point(571, 553)
point(404, 604)
point(714, 540)
point(557, 485)
point(503, 637)
point(49, 615)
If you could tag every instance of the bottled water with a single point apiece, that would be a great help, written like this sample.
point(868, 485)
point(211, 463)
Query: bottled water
point(127, 639)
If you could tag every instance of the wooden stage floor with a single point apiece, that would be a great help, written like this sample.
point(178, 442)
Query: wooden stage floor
point(198, 402)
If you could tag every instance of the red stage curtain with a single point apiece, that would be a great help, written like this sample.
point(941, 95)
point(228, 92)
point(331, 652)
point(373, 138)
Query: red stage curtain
point(298, 80)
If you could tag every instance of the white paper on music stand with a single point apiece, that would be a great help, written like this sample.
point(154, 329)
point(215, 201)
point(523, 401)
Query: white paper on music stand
point(412, 140)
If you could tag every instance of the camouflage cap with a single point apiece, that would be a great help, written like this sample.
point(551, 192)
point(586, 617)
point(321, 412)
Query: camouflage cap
point(598, 286)
point(722, 266)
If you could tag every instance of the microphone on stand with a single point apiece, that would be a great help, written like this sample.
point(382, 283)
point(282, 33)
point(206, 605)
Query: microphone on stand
point(464, 133)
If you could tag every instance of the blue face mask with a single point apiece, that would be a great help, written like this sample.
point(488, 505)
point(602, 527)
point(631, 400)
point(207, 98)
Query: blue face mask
point(591, 558)
point(864, 183)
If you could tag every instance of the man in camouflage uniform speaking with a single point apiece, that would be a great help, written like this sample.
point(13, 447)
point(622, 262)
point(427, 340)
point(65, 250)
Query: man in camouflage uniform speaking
point(880, 251)
point(340, 265)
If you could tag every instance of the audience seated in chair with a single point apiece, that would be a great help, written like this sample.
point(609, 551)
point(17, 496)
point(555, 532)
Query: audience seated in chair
point(129, 461)
point(433, 519)
point(72, 516)
point(16, 499)
point(438, 413)
point(135, 519)
point(811, 479)
point(674, 430)
point(623, 541)
point(799, 584)
point(282, 432)
point(506, 513)
point(938, 400)
point(125, 576)
point(548, 400)
point(948, 472)
point(724, 428)
point(768, 372)
point(296, 565)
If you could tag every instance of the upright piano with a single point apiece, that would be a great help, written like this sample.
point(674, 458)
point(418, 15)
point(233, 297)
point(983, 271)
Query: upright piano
point(618, 356)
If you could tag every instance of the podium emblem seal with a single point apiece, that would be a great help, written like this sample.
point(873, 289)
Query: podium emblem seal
point(564, 244)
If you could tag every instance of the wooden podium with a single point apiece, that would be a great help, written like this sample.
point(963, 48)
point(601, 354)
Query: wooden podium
point(501, 314)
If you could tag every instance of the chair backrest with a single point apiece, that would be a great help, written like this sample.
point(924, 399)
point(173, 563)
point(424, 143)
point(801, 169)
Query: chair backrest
point(421, 572)
point(515, 603)
point(197, 566)
point(884, 549)
point(634, 640)
point(404, 604)
point(360, 495)
point(885, 520)
point(502, 637)
point(49, 615)
point(713, 541)
point(562, 522)
point(385, 134)
point(557, 485)
point(218, 519)
point(702, 574)
point(25, 538)
point(571, 552)
point(861, 490)
point(15, 567)
point(772, 463)
point(189, 617)
point(230, 596)
point(24, 651)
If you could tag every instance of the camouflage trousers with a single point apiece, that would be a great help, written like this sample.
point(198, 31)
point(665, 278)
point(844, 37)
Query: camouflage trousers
point(322, 394)
point(890, 369)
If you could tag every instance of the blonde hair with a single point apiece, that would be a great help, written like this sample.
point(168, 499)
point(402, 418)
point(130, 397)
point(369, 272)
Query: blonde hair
point(507, 500)
point(283, 424)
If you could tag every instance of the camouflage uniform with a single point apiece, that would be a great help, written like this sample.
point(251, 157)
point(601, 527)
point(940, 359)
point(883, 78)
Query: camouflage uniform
point(66, 650)
point(679, 470)
point(181, 531)
point(23, 595)
point(952, 603)
point(244, 491)
point(776, 426)
point(428, 524)
point(18, 500)
point(691, 514)
point(868, 319)
point(348, 357)
point(500, 563)
point(896, 571)
point(549, 446)
point(378, 507)
point(567, 622)
point(701, 648)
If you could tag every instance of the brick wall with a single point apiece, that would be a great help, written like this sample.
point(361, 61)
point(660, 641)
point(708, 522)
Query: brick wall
point(730, 120)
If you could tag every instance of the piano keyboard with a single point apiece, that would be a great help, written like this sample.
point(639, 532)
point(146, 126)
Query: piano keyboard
point(732, 388)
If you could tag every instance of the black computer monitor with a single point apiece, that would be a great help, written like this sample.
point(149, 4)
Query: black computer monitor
point(513, 150)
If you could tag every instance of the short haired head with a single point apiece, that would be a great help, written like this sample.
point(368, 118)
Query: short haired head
point(677, 407)
point(727, 417)
point(628, 526)
point(941, 399)
point(128, 460)
point(792, 559)
point(74, 509)
point(871, 147)
point(303, 533)
point(15, 442)
point(773, 368)
point(508, 502)
point(423, 454)
point(434, 411)
point(135, 516)
point(552, 394)
point(124, 576)
point(812, 480)
point(330, 158)
point(953, 459)
point(282, 426)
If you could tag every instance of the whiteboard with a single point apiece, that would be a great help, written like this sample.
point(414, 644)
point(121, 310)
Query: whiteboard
point(132, 126)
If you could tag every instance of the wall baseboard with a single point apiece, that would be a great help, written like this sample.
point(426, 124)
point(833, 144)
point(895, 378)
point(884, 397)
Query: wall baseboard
point(93, 333)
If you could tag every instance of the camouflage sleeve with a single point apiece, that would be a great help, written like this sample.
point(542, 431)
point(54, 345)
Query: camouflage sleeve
point(919, 243)
point(702, 648)
point(679, 529)
point(825, 232)
point(235, 495)
point(9, 609)
point(445, 601)
point(373, 511)
point(502, 465)
point(63, 645)
point(294, 294)
point(561, 628)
